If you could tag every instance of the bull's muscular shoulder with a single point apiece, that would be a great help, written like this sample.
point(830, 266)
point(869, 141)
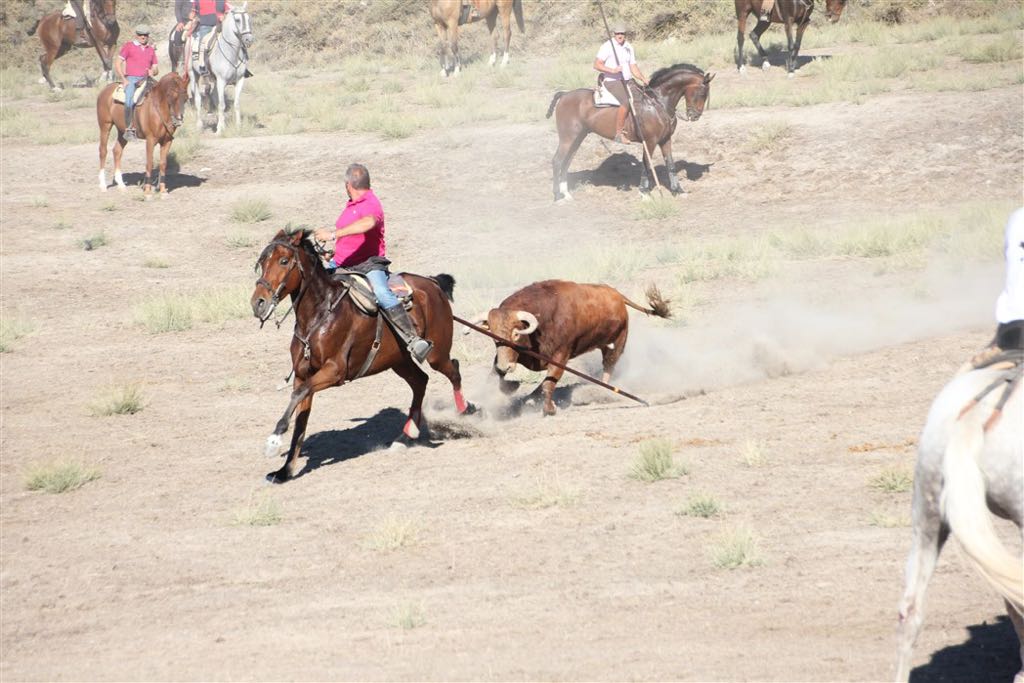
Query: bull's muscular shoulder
point(560, 299)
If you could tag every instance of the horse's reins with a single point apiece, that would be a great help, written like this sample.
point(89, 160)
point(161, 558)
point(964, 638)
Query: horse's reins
point(275, 297)
point(244, 54)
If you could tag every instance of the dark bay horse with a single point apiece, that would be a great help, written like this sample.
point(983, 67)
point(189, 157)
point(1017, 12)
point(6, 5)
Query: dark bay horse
point(448, 15)
point(785, 12)
point(332, 342)
point(576, 117)
point(156, 119)
point(59, 34)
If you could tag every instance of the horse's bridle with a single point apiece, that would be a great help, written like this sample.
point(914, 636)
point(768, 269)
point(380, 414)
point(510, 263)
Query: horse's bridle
point(246, 31)
point(275, 297)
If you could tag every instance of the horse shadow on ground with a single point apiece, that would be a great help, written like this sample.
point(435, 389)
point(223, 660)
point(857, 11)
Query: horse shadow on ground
point(369, 434)
point(622, 170)
point(991, 653)
point(174, 179)
point(777, 55)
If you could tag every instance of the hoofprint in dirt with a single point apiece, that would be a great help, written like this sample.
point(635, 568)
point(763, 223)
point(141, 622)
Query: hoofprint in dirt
point(606, 581)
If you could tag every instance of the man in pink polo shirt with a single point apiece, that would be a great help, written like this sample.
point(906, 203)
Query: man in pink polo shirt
point(135, 62)
point(359, 245)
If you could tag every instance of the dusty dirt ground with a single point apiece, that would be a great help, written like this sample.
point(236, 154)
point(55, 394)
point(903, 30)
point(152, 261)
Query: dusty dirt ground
point(142, 574)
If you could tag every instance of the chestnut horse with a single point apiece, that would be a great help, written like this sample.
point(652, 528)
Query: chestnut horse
point(334, 341)
point(787, 13)
point(156, 119)
point(576, 117)
point(59, 34)
point(448, 15)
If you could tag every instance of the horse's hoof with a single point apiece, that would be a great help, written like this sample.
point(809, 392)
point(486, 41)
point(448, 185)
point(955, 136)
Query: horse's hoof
point(790, 75)
point(274, 478)
point(41, 81)
point(743, 70)
point(400, 444)
point(273, 445)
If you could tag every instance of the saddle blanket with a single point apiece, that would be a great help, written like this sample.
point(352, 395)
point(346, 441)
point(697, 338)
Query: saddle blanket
point(69, 9)
point(604, 98)
point(140, 90)
point(362, 293)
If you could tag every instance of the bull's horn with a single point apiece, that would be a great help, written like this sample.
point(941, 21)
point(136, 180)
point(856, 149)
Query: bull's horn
point(480, 320)
point(531, 323)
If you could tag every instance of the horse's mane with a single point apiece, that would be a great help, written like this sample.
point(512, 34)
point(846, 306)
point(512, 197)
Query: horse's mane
point(661, 75)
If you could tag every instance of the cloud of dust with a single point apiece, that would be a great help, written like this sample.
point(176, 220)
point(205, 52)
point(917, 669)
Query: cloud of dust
point(798, 330)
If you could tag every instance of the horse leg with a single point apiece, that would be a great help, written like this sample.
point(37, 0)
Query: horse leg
point(443, 40)
point(221, 86)
point(118, 152)
point(790, 58)
point(929, 534)
point(755, 38)
point(45, 61)
point(492, 25)
point(287, 471)
point(453, 41)
point(506, 22)
point(611, 354)
point(1018, 626)
point(560, 164)
point(417, 381)
point(796, 45)
point(161, 184)
point(670, 168)
point(104, 139)
point(327, 376)
point(237, 98)
point(741, 28)
point(148, 182)
point(449, 367)
point(197, 98)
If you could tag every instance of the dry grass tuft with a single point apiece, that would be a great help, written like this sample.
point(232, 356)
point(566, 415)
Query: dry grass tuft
point(737, 547)
point(119, 400)
point(60, 477)
point(893, 480)
point(395, 533)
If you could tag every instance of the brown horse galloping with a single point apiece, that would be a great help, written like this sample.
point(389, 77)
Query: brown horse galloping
point(447, 16)
point(576, 117)
point(156, 120)
point(59, 34)
point(333, 340)
point(786, 12)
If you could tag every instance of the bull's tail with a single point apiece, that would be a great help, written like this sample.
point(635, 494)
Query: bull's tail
point(34, 27)
point(517, 8)
point(554, 101)
point(963, 502)
point(447, 284)
point(659, 305)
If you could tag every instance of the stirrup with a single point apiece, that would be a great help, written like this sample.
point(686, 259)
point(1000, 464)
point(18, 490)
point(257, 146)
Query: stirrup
point(420, 348)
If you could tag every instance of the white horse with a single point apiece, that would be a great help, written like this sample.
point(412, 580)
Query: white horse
point(228, 63)
point(960, 466)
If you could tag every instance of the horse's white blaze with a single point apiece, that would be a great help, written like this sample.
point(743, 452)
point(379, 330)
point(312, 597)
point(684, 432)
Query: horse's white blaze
point(103, 180)
point(273, 445)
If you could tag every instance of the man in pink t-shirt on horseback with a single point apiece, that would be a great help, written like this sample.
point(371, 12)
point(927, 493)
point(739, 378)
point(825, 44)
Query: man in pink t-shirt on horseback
point(359, 246)
point(136, 62)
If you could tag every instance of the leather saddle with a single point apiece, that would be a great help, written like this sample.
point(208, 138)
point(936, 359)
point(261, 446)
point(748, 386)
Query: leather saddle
point(362, 293)
point(141, 90)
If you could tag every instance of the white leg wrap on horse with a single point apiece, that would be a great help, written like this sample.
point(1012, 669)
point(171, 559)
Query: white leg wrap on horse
point(765, 65)
point(103, 180)
point(273, 445)
point(119, 179)
point(563, 187)
point(494, 58)
point(504, 60)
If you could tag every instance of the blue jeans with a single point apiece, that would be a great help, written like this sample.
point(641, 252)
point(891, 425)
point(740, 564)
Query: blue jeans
point(379, 281)
point(129, 97)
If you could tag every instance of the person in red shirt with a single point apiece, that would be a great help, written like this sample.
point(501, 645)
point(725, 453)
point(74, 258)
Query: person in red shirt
point(360, 246)
point(135, 62)
point(208, 14)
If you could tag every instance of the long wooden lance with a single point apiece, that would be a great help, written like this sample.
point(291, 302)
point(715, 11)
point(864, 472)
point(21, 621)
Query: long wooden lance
point(540, 356)
point(632, 110)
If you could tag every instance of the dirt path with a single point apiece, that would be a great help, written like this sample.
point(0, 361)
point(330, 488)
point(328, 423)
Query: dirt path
point(143, 575)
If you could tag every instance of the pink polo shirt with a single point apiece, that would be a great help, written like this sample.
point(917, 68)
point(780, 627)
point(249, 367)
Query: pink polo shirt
point(137, 58)
point(352, 250)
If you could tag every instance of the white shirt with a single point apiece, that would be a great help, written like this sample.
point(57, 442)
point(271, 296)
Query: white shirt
point(626, 57)
point(1010, 304)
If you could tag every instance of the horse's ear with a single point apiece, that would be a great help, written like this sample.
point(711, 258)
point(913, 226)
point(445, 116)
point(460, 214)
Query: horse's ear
point(708, 78)
point(244, 5)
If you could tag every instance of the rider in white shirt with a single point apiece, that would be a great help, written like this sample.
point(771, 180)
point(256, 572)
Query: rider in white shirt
point(616, 61)
point(1010, 304)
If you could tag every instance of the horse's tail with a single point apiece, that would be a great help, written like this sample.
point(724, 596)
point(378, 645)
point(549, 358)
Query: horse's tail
point(964, 506)
point(447, 284)
point(554, 101)
point(517, 7)
point(34, 27)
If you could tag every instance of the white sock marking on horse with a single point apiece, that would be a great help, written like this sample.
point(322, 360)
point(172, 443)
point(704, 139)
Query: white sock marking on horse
point(494, 58)
point(273, 445)
point(765, 65)
point(103, 180)
point(504, 60)
point(563, 187)
point(119, 179)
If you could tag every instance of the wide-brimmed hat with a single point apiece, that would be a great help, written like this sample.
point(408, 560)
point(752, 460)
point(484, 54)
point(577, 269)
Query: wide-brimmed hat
point(620, 27)
point(142, 30)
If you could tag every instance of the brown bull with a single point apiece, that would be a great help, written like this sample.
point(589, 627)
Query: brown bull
point(562, 320)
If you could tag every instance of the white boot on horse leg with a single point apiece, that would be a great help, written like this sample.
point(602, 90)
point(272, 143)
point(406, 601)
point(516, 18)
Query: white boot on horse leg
point(504, 60)
point(494, 58)
point(273, 446)
point(765, 65)
point(103, 180)
point(743, 70)
point(119, 179)
point(563, 189)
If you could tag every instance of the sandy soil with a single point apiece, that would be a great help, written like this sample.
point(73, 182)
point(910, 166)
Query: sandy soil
point(142, 574)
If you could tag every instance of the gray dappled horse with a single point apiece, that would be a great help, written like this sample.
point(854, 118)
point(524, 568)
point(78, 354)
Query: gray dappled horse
point(228, 64)
point(964, 460)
